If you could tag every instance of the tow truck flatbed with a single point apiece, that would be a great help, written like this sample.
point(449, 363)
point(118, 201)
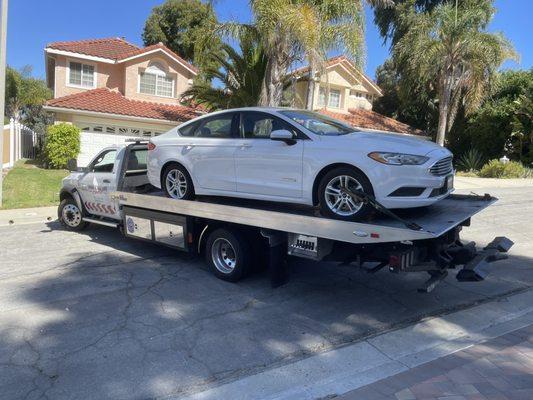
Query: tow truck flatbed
point(435, 220)
point(236, 236)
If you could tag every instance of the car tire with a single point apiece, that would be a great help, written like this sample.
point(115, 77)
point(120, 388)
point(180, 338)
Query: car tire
point(340, 205)
point(228, 254)
point(70, 215)
point(184, 189)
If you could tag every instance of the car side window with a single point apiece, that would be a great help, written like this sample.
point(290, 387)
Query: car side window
point(189, 129)
point(216, 127)
point(104, 162)
point(257, 125)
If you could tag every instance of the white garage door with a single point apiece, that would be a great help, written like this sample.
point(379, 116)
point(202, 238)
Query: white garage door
point(95, 137)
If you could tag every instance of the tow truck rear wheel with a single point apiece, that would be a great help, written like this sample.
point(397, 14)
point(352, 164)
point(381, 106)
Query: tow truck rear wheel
point(70, 215)
point(228, 254)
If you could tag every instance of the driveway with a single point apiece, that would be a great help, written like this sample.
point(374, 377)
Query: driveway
point(92, 315)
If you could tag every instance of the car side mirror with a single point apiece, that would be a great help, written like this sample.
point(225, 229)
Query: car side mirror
point(283, 135)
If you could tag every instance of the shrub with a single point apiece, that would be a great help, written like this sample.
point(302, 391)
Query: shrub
point(470, 161)
point(497, 169)
point(62, 144)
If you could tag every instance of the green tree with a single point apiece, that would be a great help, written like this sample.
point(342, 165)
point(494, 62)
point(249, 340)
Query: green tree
point(180, 25)
point(24, 95)
point(239, 79)
point(413, 105)
point(387, 19)
point(293, 30)
point(449, 48)
point(503, 123)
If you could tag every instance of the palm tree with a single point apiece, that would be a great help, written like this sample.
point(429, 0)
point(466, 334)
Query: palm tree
point(294, 30)
point(239, 79)
point(450, 49)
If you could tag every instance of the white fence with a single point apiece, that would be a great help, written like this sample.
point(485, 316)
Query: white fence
point(22, 143)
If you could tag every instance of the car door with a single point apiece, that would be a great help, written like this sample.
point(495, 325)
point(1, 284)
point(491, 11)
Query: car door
point(264, 166)
point(97, 183)
point(209, 150)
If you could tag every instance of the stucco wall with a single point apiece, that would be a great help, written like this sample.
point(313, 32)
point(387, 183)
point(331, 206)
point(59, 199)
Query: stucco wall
point(107, 75)
point(339, 79)
point(180, 74)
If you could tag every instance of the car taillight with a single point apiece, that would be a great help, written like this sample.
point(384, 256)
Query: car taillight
point(151, 146)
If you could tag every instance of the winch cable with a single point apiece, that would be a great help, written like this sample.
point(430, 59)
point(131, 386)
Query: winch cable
point(368, 199)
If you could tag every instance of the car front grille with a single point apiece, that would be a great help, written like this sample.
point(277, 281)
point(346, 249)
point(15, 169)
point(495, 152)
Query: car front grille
point(442, 167)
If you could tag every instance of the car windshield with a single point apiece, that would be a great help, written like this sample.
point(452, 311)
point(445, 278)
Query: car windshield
point(318, 124)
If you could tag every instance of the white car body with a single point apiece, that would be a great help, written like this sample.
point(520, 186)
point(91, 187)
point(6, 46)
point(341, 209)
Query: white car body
point(273, 170)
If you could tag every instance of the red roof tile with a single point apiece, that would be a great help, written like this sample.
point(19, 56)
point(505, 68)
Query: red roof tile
point(111, 48)
point(368, 119)
point(107, 101)
point(161, 46)
point(116, 49)
point(329, 62)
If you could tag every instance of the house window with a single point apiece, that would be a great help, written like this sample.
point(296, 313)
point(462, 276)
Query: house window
point(155, 81)
point(81, 74)
point(334, 100)
point(355, 93)
point(321, 97)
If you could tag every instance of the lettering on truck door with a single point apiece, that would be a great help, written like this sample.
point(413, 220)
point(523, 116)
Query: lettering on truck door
point(97, 184)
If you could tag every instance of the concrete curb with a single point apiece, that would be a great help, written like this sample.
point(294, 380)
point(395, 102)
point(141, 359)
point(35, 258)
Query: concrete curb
point(341, 370)
point(28, 215)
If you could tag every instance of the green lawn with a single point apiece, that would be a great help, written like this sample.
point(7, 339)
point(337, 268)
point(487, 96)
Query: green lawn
point(27, 185)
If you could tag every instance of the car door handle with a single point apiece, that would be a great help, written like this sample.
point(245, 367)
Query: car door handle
point(106, 181)
point(246, 145)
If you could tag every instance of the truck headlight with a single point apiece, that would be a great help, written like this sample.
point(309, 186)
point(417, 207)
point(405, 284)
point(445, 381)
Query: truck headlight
point(397, 158)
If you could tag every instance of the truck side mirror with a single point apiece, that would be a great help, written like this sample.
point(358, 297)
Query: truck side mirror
point(72, 165)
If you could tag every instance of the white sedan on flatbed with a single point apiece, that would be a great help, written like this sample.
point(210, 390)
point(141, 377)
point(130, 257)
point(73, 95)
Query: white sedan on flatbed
point(296, 156)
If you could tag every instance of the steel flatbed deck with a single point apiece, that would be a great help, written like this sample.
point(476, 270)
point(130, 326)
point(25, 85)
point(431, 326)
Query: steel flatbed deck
point(434, 220)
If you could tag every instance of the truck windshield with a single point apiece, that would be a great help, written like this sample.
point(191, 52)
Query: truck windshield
point(318, 124)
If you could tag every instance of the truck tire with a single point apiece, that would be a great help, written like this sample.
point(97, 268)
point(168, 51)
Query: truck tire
point(334, 203)
point(70, 215)
point(228, 254)
point(177, 183)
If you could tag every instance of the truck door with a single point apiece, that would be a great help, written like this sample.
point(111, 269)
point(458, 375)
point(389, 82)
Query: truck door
point(98, 182)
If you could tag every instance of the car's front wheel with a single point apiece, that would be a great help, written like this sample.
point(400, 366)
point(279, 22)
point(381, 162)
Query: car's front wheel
point(177, 183)
point(335, 200)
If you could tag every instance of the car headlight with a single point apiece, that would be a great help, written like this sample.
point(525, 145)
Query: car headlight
point(397, 158)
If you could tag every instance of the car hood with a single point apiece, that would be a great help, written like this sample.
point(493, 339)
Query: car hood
point(391, 142)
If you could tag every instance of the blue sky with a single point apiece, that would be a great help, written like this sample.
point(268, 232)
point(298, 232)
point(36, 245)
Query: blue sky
point(32, 24)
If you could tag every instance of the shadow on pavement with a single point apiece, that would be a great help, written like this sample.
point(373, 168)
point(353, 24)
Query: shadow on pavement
point(94, 315)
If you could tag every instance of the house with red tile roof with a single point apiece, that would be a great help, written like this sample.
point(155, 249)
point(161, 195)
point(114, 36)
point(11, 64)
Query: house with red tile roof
point(343, 92)
point(114, 90)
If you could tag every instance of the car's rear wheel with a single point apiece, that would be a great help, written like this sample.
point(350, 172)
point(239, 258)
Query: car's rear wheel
point(335, 200)
point(177, 183)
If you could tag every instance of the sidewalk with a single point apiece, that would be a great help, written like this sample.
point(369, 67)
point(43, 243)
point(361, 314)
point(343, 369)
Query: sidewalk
point(27, 215)
point(497, 369)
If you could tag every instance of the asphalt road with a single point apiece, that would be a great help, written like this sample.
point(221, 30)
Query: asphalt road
point(92, 315)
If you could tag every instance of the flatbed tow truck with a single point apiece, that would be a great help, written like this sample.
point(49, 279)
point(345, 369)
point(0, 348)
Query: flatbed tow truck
point(235, 236)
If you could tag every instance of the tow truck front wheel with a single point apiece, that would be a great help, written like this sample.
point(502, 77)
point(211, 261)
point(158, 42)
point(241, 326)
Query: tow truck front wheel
point(70, 215)
point(228, 254)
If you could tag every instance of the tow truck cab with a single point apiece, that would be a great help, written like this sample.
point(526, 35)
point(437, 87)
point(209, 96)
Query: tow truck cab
point(112, 169)
point(237, 236)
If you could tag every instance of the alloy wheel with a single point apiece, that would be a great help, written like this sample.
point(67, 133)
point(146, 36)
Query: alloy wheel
point(338, 199)
point(176, 184)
